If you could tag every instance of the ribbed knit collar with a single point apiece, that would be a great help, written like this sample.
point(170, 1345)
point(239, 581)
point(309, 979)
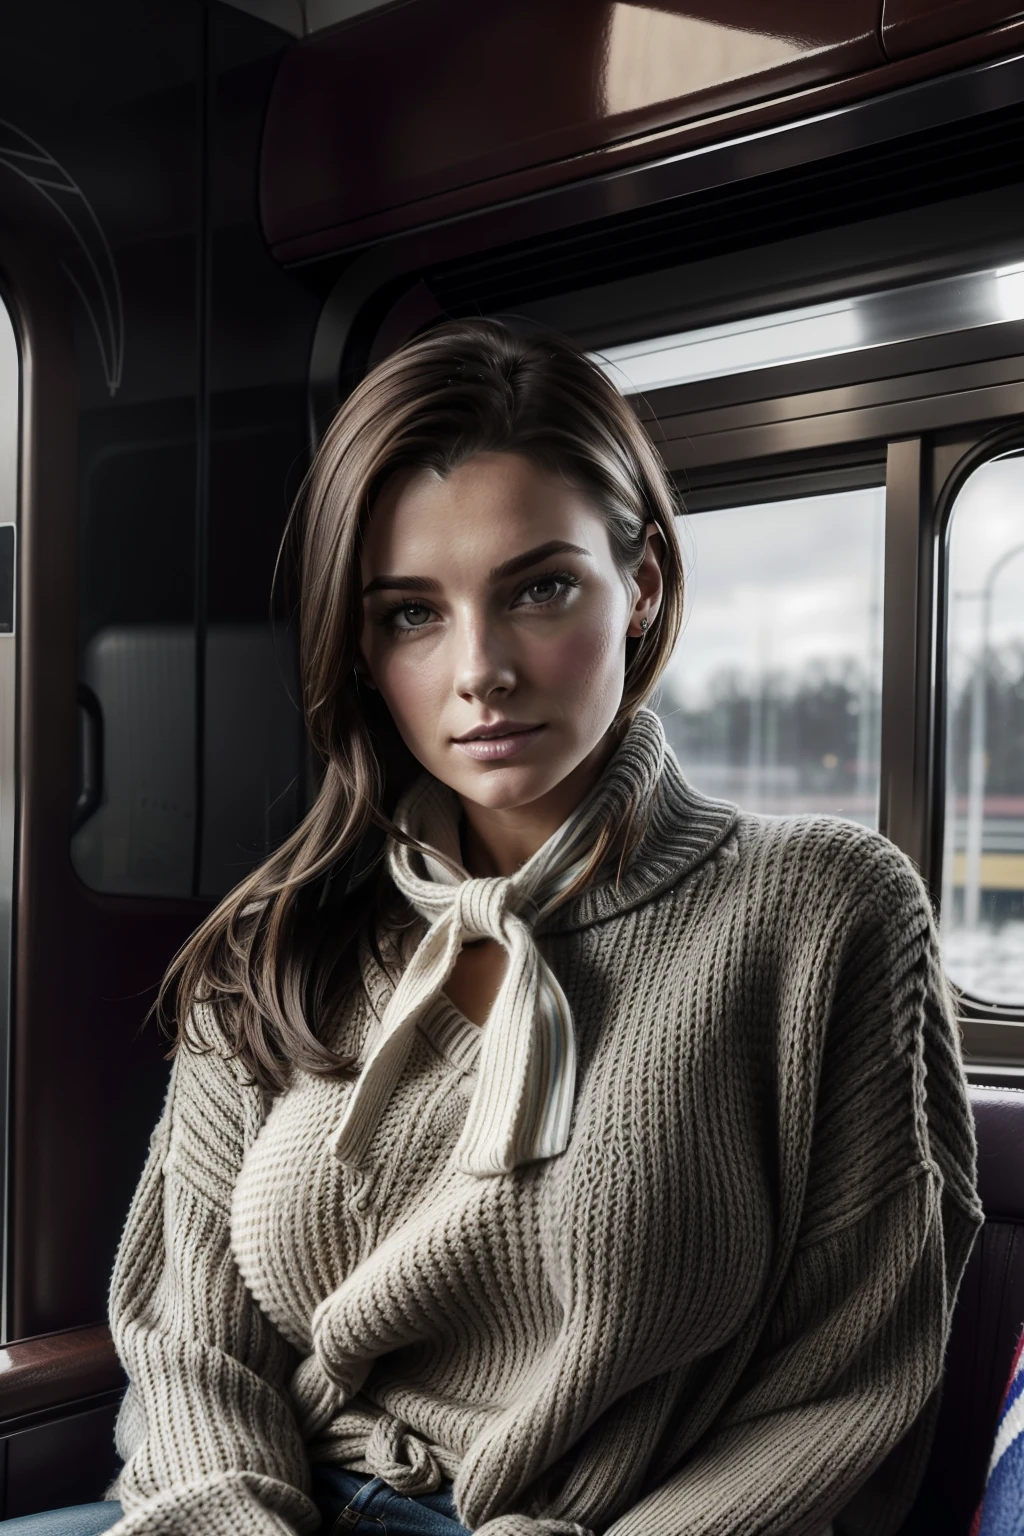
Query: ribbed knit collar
point(683, 829)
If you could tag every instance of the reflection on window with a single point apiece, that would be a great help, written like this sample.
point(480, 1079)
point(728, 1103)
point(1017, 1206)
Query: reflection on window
point(138, 840)
point(983, 863)
point(140, 682)
point(773, 695)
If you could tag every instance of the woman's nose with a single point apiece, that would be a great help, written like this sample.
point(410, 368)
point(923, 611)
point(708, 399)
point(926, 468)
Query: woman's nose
point(484, 666)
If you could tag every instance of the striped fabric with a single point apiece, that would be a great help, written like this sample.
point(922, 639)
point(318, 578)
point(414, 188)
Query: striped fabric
point(522, 1103)
point(1002, 1510)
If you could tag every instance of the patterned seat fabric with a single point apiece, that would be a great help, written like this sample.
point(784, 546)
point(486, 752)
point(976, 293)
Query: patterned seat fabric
point(987, 1324)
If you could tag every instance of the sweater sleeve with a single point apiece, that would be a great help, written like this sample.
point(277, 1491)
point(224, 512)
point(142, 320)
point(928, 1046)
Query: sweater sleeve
point(206, 1430)
point(847, 1367)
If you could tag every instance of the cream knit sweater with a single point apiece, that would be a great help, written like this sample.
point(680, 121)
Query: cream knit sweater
point(713, 1315)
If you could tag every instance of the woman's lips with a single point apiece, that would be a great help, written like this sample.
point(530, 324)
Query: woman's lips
point(487, 748)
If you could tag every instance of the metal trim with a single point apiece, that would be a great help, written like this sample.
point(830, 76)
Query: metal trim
point(901, 370)
point(831, 418)
point(859, 322)
point(839, 472)
point(10, 426)
point(904, 798)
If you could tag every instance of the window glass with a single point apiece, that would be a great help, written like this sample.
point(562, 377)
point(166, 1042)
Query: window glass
point(773, 695)
point(983, 856)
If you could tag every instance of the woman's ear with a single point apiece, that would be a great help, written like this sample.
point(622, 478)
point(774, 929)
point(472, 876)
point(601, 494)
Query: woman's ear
point(649, 583)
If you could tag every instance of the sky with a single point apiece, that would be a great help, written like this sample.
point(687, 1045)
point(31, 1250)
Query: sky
point(987, 523)
point(779, 585)
point(788, 583)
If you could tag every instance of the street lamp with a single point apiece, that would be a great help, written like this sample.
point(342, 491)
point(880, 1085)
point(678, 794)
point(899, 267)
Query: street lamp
point(976, 761)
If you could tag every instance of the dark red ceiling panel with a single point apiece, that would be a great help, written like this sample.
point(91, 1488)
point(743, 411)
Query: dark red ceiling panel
point(911, 26)
point(411, 103)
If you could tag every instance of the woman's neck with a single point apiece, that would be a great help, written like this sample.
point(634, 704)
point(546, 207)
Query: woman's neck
point(499, 842)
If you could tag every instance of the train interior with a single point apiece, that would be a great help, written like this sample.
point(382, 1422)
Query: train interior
point(794, 236)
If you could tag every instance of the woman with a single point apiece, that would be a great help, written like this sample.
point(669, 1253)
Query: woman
point(595, 1157)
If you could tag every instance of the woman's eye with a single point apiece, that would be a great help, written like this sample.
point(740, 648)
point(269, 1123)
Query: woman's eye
point(545, 589)
point(411, 616)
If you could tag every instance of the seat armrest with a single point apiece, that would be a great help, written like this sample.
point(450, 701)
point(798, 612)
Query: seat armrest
point(55, 1369)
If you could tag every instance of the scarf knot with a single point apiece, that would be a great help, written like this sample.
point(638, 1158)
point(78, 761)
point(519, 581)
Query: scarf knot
point(479, 906)
point(522, 1104)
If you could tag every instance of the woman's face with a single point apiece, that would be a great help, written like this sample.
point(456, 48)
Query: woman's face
point(494, 624)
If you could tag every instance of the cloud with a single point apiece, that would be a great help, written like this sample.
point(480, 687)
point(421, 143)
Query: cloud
point(780, 586)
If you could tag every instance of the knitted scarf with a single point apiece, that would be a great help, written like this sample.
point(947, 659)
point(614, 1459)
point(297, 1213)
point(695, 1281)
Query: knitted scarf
point(522, 1102)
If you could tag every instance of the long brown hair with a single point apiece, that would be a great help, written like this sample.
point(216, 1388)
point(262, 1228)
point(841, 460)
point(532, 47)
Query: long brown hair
point(276, 950)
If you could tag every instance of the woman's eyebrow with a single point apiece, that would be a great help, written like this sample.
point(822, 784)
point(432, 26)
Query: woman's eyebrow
point(401, 583)
point(532, 556)
point(499, 573)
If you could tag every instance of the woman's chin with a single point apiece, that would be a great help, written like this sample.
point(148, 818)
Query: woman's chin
point(504, 786)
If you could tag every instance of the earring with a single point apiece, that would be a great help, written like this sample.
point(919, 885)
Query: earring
point(644, 625)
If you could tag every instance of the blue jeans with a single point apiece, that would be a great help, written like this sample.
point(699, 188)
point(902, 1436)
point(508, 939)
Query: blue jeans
point(371, 1508)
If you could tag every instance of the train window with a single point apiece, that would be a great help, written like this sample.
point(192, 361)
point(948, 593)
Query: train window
point(983, 859)
point(773, 695)
point(935, 308)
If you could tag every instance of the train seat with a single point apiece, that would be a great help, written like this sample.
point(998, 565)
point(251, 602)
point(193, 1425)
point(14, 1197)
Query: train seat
point(987, 1323)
